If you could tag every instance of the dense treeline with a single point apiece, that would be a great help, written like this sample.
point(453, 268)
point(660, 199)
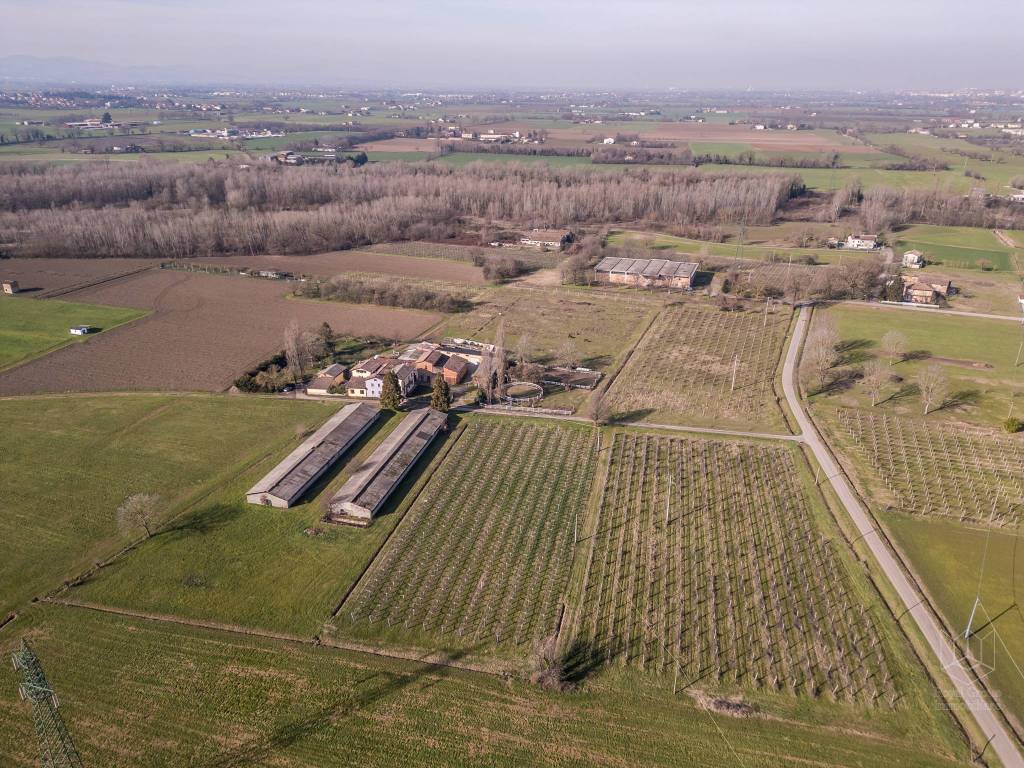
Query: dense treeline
point(389, 292)
point(169, 210)
point(883, 208)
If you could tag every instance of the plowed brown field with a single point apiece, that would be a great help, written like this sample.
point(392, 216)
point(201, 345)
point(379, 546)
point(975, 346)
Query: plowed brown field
point(204, 331)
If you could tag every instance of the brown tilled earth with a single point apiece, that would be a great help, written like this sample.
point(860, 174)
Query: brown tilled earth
point(337, 262)
point(47, 275)
point(204, 331)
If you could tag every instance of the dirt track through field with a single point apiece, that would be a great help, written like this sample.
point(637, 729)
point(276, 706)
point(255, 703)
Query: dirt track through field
point(1005, 239)
point(205, 330)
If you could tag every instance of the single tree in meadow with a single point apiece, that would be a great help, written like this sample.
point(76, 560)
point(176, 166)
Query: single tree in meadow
point(390, 392)
point(876, 376)
point(568, 354)
point(138, 511)
point(523, 349)
point(600, 407)
point(820, 351)
point(933, 384)
point(894, 345)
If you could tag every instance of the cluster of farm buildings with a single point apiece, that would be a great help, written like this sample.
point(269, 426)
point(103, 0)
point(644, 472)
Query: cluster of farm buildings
point(418, 365)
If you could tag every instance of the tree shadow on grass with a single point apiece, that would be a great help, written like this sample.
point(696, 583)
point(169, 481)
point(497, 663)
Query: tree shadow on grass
point(597, 361)
point(840, 381)
point(579, 661)
point(203, 520)
point(361, 694)
point(625, 417)
point(854, 351)
point(916, 354)
point(960, 399)
point(905, 390)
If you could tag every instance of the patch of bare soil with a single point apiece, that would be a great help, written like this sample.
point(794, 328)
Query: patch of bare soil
point(962, 363)
point(204, 331)
point(733, 706)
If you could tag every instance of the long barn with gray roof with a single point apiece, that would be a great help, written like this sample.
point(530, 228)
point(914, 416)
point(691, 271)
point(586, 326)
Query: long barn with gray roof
point(646, 272)
point(284, 485)
point(364, 494)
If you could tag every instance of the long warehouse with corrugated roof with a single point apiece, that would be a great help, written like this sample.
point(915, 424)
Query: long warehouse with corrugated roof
point(284, 485)
point(364, 494)
point(663, 272)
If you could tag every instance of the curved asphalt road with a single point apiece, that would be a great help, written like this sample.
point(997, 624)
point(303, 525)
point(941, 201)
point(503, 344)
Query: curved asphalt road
point(970, 694)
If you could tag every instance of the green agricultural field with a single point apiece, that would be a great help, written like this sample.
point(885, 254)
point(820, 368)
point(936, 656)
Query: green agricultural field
point(952, 559)
point(830, 179)
point(996, 171)
point(136, 692)
point(732, 249)
point(700, 366)
point(69, 462)
point(977, 356)
point(464, 158)
point(31, 328)
point(961, 247)
point(232, 562)
point(484, 555)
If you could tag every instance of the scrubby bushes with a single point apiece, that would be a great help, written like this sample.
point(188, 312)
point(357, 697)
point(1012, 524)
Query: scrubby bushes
point(390, 292)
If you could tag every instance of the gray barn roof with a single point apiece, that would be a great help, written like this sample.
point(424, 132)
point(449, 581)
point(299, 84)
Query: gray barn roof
point(366, 491)
point(300, 469)
point(653, 268)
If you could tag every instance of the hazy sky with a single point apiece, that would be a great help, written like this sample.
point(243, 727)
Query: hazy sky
point(871, 44)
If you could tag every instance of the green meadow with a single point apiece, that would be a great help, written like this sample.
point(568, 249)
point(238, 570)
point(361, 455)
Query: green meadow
point(30, 328)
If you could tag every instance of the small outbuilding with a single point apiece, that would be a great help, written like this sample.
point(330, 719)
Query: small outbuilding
point(80, 330)
point(10, 287)
point(913, 259)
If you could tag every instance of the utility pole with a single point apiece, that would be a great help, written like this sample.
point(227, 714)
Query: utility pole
point(56, 749)
point(767, 304)
point(735, 365)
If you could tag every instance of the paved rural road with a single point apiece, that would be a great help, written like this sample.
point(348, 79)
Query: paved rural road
point(935, 311)
point(971, 695)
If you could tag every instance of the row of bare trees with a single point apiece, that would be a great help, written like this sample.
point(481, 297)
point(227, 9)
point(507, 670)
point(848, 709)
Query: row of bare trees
point(176, 210)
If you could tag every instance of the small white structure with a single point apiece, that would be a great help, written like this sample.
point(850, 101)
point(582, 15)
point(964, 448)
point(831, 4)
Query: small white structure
point(10, 287)
point(913, 259)
point(609, 140)
point(1017, 197)
point(1020, 300)
point(861, 242)
point(80, 330)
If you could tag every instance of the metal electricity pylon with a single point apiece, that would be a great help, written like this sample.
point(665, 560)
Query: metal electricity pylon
point(56, 749)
